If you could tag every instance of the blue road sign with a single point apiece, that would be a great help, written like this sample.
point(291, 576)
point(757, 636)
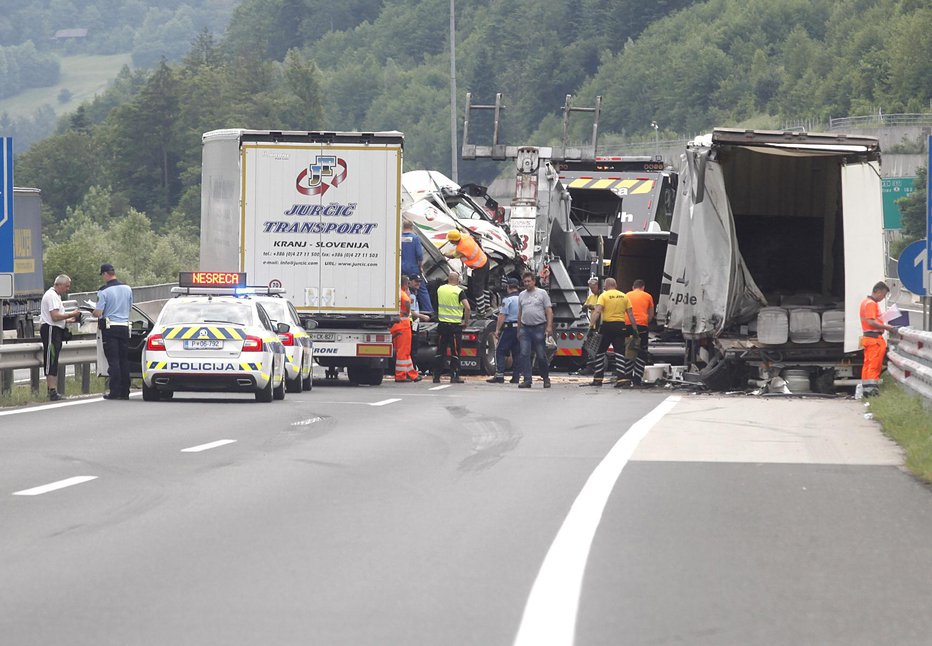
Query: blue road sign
point(911, 267)
point(6, 205)
point(6, 218)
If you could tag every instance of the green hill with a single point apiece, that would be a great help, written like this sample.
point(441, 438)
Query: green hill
point(83, 76)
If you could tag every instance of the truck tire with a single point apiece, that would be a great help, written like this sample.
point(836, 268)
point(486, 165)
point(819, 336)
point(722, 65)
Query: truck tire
point(486, 350)
point(374, 376)
point(356, 375)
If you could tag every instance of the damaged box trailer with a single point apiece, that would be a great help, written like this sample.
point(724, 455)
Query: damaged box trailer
point(775, 240)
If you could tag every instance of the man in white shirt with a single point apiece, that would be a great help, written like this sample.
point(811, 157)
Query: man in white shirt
point(54, 318)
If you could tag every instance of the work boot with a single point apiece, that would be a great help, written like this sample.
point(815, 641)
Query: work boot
point(524, 384)
point(515, 380)
point(546, 383)
point(495, 380)
point(456, 379)
point(54, 396)
point(436, 379)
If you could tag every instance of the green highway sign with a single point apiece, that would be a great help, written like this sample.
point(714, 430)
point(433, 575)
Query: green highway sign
point(893, 189)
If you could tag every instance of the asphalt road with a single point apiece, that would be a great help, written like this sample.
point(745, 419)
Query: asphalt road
point(472, 514)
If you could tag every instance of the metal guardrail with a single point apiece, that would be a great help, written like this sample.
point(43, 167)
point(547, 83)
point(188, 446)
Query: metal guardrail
point(910, 360)
point(140, 294)
point(881, 120)
point(77, 352)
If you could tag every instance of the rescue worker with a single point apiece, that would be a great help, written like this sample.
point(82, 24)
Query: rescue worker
point(401, 338)
point(54, 318)
point(474, 257)
point(609, 319)
point(453, 315)
point(642, 304)
point(114, 302)
point(414, 285)
point(872, 329)
point(412, 263)
point(506, 335)
point(591, 300)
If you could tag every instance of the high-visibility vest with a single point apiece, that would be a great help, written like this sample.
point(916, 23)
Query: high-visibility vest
point(473, 255)
point(405, 304)
point(449, 307)
point(869, 310)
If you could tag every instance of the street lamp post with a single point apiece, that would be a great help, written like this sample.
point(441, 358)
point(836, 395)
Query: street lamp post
point(653, 124)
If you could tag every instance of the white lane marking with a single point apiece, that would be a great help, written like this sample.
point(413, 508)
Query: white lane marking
point(307, 422)
point(551, 609)
point(386, 401)
point(61, 484)
point(439, 387)
point(74, 402)
point(206, 447)
point(36, 409)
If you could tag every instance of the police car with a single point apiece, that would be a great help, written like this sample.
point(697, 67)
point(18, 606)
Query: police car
point(299, 357)
point(208, 339)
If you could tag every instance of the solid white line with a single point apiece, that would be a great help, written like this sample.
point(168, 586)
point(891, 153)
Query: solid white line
point(551, 609)
point(439, 387)
point(61, 484)
point(206, 447)
point(70, 402)
point(386, 401)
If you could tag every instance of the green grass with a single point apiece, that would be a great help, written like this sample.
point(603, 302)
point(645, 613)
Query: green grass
point(22, 395)
point(83, 76)
point(907, 421)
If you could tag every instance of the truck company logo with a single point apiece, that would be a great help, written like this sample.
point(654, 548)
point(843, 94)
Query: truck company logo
point(313, 180)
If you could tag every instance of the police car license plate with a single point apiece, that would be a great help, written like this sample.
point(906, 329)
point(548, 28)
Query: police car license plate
point(203, 344)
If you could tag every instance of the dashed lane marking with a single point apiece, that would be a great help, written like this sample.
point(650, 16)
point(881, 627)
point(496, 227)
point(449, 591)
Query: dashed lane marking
point(385, 402)
point(439, 387)
point(552, 607)
point(54, 486)
point(207, 447)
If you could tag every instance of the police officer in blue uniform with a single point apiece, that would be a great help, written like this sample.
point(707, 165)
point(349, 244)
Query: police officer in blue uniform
point(114, 302)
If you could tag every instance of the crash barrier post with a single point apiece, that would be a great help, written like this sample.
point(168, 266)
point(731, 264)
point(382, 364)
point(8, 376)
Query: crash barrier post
point(79, 352)
point(909, 360)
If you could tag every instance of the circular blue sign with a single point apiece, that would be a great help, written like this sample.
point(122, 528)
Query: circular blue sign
point(911, 267)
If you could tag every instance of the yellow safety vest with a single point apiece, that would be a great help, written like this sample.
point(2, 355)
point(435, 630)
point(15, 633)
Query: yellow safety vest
point(449, 307)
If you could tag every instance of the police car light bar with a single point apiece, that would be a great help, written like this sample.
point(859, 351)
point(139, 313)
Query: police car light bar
point(226, 279)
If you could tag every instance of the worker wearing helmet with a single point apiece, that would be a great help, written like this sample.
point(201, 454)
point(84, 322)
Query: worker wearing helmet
point(462, 245)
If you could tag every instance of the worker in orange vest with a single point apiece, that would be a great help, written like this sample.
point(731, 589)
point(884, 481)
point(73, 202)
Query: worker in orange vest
point(642, 306)
point(472, 255)
point(401, 339)
point(872, 329)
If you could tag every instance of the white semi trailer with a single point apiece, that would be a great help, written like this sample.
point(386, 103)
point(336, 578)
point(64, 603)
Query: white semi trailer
point(317, 214)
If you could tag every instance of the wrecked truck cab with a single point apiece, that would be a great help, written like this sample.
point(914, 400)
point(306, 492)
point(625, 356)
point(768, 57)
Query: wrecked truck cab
point(776, 238)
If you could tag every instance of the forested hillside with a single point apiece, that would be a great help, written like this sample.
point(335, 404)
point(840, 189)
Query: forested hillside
point(365, 64)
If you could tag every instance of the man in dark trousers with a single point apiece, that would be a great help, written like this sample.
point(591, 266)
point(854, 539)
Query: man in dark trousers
point(114, 302)
point(453, 315)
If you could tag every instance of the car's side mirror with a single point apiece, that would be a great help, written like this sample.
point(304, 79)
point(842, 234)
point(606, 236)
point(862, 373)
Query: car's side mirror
point(282, 328)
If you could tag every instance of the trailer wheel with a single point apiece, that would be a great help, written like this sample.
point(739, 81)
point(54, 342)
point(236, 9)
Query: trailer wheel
point(374, 376)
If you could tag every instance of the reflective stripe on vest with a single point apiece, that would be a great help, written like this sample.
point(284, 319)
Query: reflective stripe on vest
point(449, 308)
point(473, 255)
